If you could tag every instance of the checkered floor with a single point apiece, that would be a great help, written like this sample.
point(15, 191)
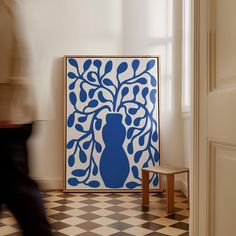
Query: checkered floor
point(101, 214)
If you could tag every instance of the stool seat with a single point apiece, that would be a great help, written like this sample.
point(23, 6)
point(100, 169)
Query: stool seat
point(170, 172)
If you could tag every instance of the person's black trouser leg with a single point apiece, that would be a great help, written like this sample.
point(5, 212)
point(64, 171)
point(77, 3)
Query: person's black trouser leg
point(17, 190)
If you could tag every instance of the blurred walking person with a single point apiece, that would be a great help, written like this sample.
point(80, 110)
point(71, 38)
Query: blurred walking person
point(20, 193)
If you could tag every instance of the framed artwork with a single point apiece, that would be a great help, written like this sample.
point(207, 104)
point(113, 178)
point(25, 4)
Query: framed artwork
point(111, 122)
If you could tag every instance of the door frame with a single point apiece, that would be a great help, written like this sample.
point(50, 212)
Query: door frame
point(195, 122)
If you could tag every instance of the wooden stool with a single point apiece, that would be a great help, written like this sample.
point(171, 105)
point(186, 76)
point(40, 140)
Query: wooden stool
point(170, 174)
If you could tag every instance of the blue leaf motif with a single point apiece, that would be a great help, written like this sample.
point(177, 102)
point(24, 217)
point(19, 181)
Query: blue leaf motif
point(145, 92)
point(71, 160)
point(142, 81)
point(155, 136)
point(141, 140)
point(82, 156)
point(73, 181)
point(73, 98)
point(98, 124)
point(98, 147)
point(132, 185)
point(79, 128)
point(153, 96)
point(137, 156)
point(97, 63)
point(108, 67)
point(93, 103)
point(124, 91)
point(91, 77)
point(135, 171)
point(135, 64)
point(87, 64)
point(101, 97)
point(133, 111)
point(72, 75)
point(130, 133)
point(72, 86)
point(95, 170)
point(130, 148)
point(150, 64)
point(128, 119)
point(122, 68)
point(145, 165)
point(82, 95)
point(108, 82)
point(71, 120)
point(135, 90)
point(91, 93)
point(79, 173)
point(86, 145)
point(94, 184)
point(137, 121)
point(156, 156)
point(82, 119)
point(153, 81)
point(70, 144)
point(155, 181)
point(73, 62)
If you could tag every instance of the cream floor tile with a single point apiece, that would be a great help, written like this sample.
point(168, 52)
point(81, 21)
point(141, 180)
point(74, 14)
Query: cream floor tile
point(102, 204)
point(76, 205)
point(72, 231)
point(186, 221)
point(104, 230)
point(184, 212)
point(134, 221)
point(131, 212)
point(103, 221)
point(171, 231)
point(51, 204)
point(6, 230)
point(165, 221)
point(128, 205)
point(73, 221)
point(103, 212)
point(138, 231)
point(75, 212)
point(8, 221)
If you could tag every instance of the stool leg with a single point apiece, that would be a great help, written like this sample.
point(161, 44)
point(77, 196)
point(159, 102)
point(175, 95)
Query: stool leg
point(145, 187)
point(170, 193)
point(188, 187)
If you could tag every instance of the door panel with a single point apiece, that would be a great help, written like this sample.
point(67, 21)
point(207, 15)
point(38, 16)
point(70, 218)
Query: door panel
point(215, 106)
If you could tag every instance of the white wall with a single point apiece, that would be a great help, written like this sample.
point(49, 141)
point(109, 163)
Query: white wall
point(59, 27)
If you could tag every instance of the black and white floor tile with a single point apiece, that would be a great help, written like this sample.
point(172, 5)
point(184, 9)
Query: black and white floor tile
point(108, 214)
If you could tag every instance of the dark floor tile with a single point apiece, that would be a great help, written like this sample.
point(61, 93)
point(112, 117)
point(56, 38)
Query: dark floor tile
point(181, 225)
point(116, 209)
point(185, 234)
point(175, 216)
point(115, 201)
point(89, 208)
point(89, 234)
point(121, 234)
point(59, 225)
point(62, 208)
point(89, 201)
point(89, 216)
point(146, 216)
point(64, 201)
point(120, 226)
point(156, 234)
point(60, 216)
point(88, 226)
point(118, 216)
point(152, 226)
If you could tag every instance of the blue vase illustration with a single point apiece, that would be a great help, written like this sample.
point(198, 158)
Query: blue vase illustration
point(114, 164)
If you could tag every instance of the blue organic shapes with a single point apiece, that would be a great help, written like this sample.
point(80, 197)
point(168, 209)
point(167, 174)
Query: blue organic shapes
point(118, 102)
point(114, 164)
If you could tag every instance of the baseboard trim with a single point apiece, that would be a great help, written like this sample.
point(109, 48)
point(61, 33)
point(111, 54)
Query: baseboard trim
point(49, 184)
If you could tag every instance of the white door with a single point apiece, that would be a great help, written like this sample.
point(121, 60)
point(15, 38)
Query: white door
point(214, 162)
